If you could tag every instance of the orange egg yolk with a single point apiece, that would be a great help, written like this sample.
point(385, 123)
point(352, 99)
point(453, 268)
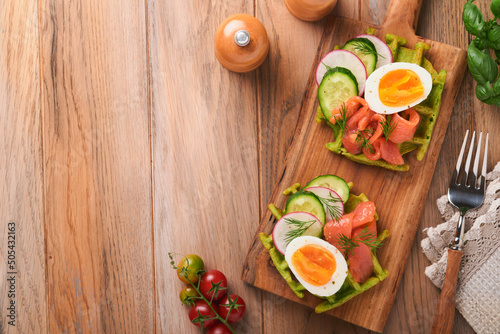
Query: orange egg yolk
point(314, 264)
point(399, 88)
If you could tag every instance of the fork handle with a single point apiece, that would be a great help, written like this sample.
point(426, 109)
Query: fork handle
point(445, 313)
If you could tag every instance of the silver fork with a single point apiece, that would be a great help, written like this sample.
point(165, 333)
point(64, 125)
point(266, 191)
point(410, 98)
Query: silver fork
point(464, 194)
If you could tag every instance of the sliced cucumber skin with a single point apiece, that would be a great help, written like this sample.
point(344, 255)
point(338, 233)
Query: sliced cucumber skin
point(312, 199)
point(332, 182)
point(332, 76)
point(370, 60)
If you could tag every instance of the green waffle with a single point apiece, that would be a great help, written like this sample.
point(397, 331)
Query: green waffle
point(350, 288)
point(428, 109)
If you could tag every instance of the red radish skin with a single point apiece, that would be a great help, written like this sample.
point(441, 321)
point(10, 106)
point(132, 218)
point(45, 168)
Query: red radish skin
point(346, 59)
point(382, 49)
point(280, 228)
point(324, 193)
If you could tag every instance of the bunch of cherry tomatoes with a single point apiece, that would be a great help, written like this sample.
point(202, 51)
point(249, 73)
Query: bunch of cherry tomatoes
point(210, 306)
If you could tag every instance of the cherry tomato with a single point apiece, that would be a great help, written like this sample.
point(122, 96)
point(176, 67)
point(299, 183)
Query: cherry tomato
point(192, 264)
point(209, 281)
point(238, 310)
point(200, 311)
point(219, 328)
point(187, 295)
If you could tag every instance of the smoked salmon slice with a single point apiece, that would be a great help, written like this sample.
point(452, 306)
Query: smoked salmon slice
point(389, 151)
point(362, 121)
point(334, 229)
point(360, 260)
point(404, 129)
point(352, 226)
point(363, 214)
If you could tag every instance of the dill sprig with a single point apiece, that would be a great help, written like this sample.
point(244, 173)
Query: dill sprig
point(302, 227)
point(363, 140)
point(330, 205)
point(387, 127)
point(366, 237)
point(365, 49)
point(327, 67)
point(342, 121)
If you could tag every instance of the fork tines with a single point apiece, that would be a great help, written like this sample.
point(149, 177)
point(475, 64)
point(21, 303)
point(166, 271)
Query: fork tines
point(465, 173)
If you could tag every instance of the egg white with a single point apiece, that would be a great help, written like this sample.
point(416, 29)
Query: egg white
point(338, 277)
point(372, 92)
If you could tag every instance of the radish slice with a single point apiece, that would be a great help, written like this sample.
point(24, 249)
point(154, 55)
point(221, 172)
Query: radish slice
point(294, 225)
point(332, 202)
point(346, 59)
point(383, 50)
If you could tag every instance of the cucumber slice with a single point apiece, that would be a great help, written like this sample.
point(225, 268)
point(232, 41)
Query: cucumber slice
point(346, 59)
point(337, 86)
point(305, 201)
point(332, 182)
point(365, 50)
point(332, 202)
point(384, 53)
point(294, 225)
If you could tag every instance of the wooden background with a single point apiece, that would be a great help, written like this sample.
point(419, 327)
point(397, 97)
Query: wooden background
point(123, 139)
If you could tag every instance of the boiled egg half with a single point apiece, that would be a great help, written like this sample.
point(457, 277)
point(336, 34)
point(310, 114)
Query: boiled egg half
point(318, 265)
point(396, 87)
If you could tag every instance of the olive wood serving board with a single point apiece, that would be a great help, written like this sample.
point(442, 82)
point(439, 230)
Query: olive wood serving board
point(399, 196)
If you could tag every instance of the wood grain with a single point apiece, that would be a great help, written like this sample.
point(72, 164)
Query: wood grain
point(417, 297)
point(205, 166)
point(21, 169)
point(117, 149)
point(294, 44)
point(97, 180)
point(306, 137)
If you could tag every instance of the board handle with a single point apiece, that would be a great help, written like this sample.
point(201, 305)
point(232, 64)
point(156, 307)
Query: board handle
point(402, 16)
point(445, 313)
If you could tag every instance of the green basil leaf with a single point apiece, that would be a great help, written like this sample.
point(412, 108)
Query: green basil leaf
point(473, 18)
point(494, 37)
point(484, 92)
point(494, 100)
point(482, 67)
point(495, 8)
point(496, 87)
point(481, 43)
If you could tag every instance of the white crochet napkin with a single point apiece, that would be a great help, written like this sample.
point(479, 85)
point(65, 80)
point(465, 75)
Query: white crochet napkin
point(478, 289)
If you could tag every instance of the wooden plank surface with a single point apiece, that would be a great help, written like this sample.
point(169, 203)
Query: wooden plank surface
point(104, 151)
point(307, 159)
point(97, 181)
point(205, 167)
point(293, 44)
point(21, 172)
point(398, 319)
point(417, 297)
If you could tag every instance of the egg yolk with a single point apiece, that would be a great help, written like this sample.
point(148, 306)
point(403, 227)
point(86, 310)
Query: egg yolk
point(399, 88)
point(314, 264)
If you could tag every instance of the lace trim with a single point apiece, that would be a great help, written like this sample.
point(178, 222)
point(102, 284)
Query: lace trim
point(478, 289)
point(481, 239)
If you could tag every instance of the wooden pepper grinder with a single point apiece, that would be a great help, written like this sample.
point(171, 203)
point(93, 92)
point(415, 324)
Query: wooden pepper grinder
point(310, 10)
point(241, 43)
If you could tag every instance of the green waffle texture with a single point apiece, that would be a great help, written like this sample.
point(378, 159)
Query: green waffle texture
point(350, 288)
point(428, 109)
